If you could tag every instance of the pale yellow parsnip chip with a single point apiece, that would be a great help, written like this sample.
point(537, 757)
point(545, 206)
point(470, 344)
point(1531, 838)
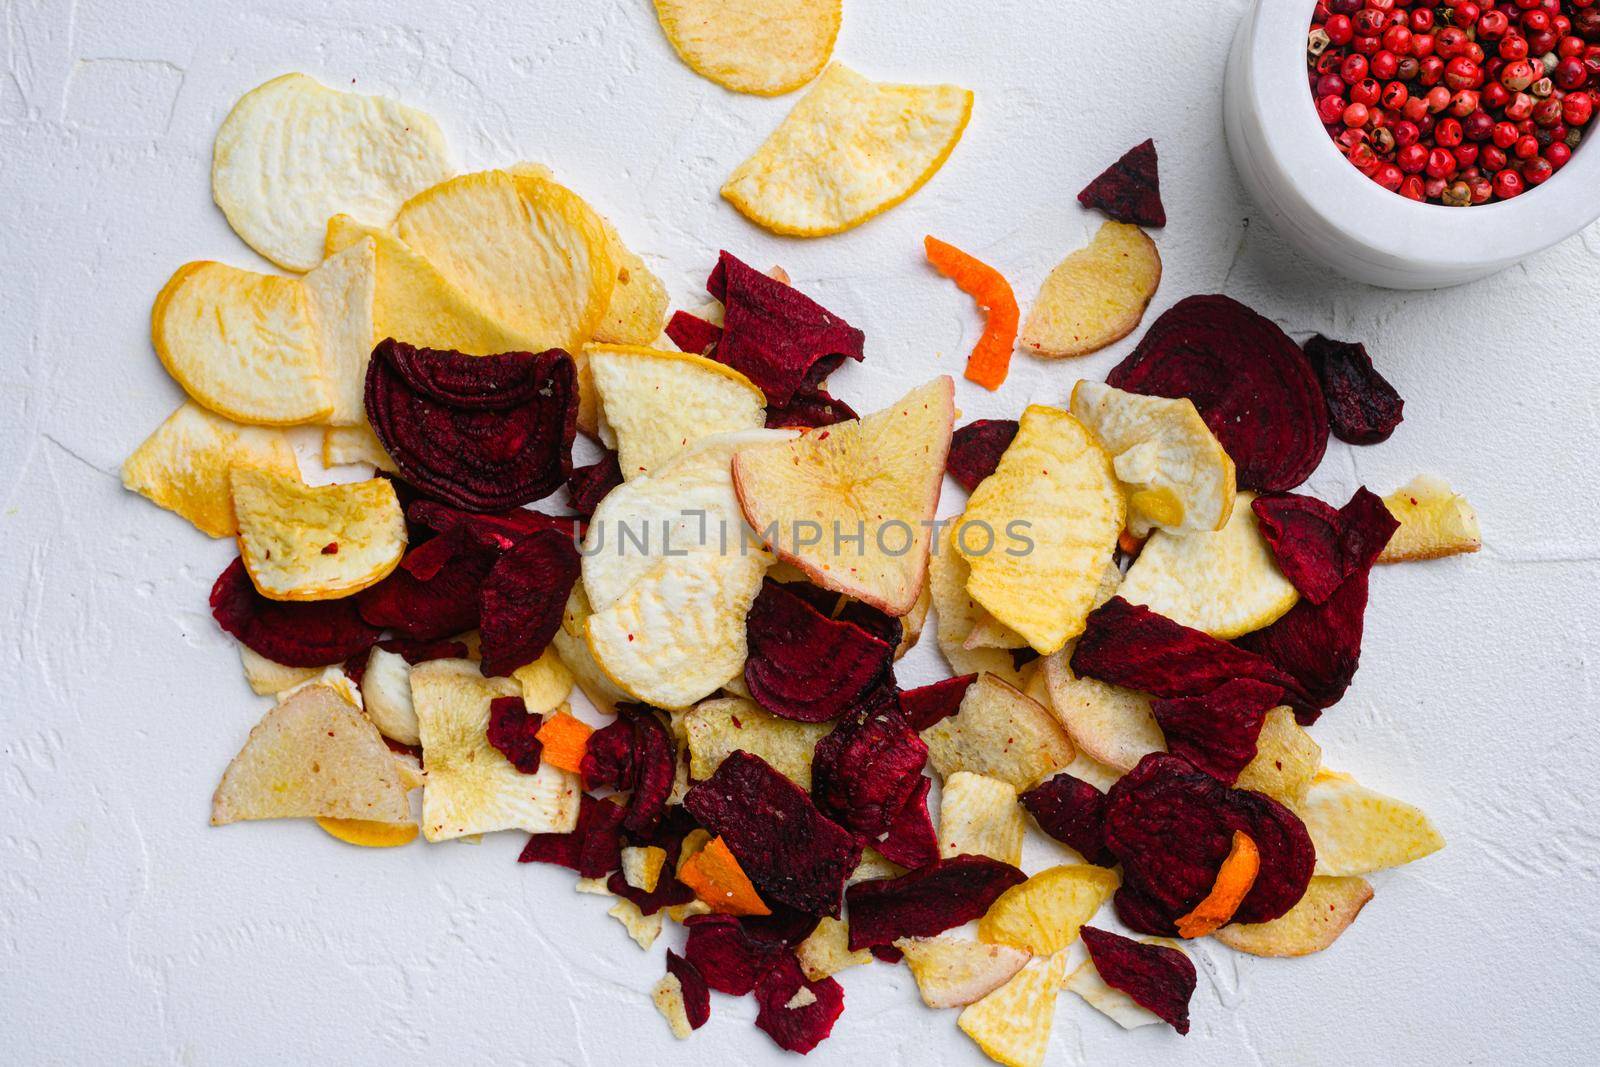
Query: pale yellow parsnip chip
point(958, 617)
point(1176, 473)
point(183, 466)
point(313, 755)
point(333, 678)
point(952, 972)
point(302, 542)
point(644, 929)
point(641, 866)
point(667, 996)
point(990, 632)
point(472, 788)
point(1225, 583)
point(1286, 760)
point(717, 728)
point(343, 294)
point(1000, 733)
point(658, 403)
point(1046, 913)
point(386, 689)
point(292, 152)
point(765, 47)
point(851, 505)
point(244, 345)
point(1095, 296)
point(826, 951)
point(571, 643)
point(1357, 830)
point(980, 816)
point(1435, 521)
point(850, 149)
point(1328, 908)
point(1042, 578)
point(528, 251)
point(346, 445)
point(1110, 724)
point(546, 683)
point(268, 678)
point(1012, 1024)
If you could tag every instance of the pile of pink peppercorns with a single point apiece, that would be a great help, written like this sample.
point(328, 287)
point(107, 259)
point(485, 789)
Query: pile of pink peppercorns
point(1456, 102)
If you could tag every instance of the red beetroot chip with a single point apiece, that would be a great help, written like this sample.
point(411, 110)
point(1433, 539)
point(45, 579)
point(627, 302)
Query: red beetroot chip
point(772, 333)
point(691, 333)
point(1253, 386)
point(1073, 812)
point(479, 432)
point(797, 1023)
point(976, 448)
point(1130, 189)
point(1158, 978)
point(805, 666)
point(1171, 826)
point(608, 758)
point(593, 848)
point(512, 730)
point(928, 902)
point(589, 485)
point(415, 652)
point(729, 959)
point(654, 767)
point(1130, 645)
point(928, 704)
point(493, 529)
point(692, 987)
point(443, 603)
point(886, 953)
point(785, 927)
point(791, 851)
point(811, 406)
point(911, 840)
point(1218, 732)
point(1363, 408)
point(867, 768)
point(300, 633)
point(1304, 535)
point(523, 598)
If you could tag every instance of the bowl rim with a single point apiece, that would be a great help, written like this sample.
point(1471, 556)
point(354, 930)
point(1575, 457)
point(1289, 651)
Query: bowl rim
point(1365, 211)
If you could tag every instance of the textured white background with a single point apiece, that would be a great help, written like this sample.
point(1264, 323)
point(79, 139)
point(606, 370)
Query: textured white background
point(130, 932)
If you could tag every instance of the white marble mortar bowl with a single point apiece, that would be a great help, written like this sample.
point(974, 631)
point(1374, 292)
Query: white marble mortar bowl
point(1333, 213)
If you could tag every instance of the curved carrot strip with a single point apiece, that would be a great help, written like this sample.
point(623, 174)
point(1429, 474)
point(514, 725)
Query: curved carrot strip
point(991, 356)
point(564, 739)
point(1234, 879)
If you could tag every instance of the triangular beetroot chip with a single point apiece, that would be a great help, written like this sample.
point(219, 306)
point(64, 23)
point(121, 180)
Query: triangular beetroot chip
point(514, 732)
point(480, 432)
point(587, 486)
point(772, 333)
point(1158, 978)
point(976, 448)
point(911, 840)
point(805, 666)
point(304, 633)
point(693, 334)
point(593, 848)
point(928, 902)
point(866, 769)
point(1131, 646)
point(729, 959)
point(1363, 408)
point(1130, 189)
point(798, 1023)
point(1252, 385)
point(444, 603)
point(1073, 812)
point(608, 758)
point(1218, 732)
point(928, 704)
point(791, 851)
point(654, 768)
point(692, 987)
point(523, 598)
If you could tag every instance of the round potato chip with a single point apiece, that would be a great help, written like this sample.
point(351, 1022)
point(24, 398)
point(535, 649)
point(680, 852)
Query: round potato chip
point(851, 149)
point(293, 152)
point(1225, 583)
point(301, 542)
point(528, 251)
point(765, 47)
point(1095, 296)
point(243, 344)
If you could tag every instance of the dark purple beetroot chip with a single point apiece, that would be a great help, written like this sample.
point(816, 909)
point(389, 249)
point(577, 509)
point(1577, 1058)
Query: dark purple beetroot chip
point(797, 1023)
point(654, 767)
point(808, 408)
point(1253, 386)
point(1130, 645)
point(587, 486)
point(415, 652)
point(805, 666)
point(772, 333)
point(523, 598)
point(608, 759)
point(668, 893)
point(480, 432)
point(295, 633)
point(692, 986)
point(729, 959)
point(498, 530)
point(1158, 978)
point(791, 851)
point(866, 769)
point(593, 848)
point(691, 333)
point(1303, 533)
point(976, 448)
point(886, 953)
point(928, 902)
point(512, 730)
point(879, 624)
point(1130, 189)
point(1218, 732)
point(911, 840)
point(435, 592)
point(1288, 856)
point(1363, 408)
point(1073, 812)
point(928, 704)
point(785, 927)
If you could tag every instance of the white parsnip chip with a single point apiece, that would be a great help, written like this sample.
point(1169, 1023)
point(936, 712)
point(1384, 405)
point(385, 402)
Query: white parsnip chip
point(952, 972)
point(717, 728)
point(1000, 733)
point(826, 951)
point(386, 687)
point(1106, 722)
point(980, 816)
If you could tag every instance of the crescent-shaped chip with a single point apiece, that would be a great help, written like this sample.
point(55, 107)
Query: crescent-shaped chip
point(302, 542)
